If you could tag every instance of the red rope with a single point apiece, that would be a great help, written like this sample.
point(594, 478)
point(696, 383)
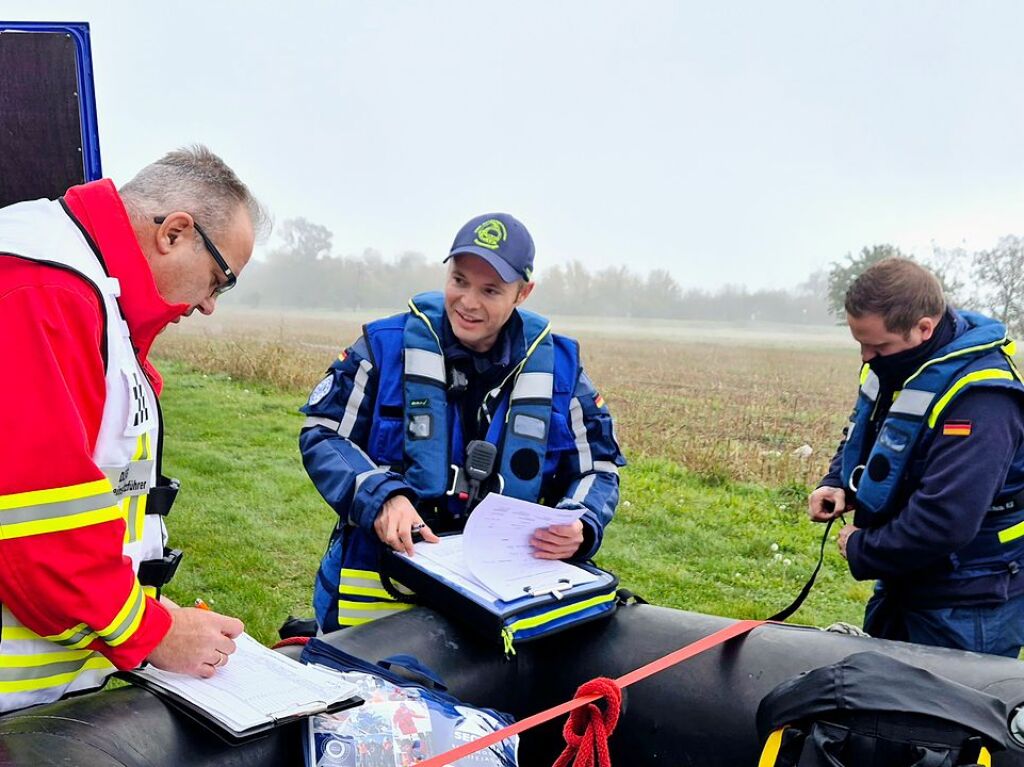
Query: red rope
point(739, 628)
point(587, 729)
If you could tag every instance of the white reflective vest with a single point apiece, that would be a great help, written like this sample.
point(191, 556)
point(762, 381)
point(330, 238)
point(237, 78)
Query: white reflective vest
point(35, 669)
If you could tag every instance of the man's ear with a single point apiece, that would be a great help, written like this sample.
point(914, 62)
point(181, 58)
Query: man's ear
point(524, 292)
point(169, 232)
point(926, 325)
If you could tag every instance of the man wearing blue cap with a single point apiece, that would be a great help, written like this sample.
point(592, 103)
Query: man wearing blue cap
point(387, 430)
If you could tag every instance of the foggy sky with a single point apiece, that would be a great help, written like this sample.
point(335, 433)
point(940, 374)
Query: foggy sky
point(728, 142)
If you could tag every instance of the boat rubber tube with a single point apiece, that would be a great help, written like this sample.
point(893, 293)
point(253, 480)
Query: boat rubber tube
point(698, 713)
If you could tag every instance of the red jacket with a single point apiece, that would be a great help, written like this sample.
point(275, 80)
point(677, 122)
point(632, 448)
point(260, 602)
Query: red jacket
point(52, 393)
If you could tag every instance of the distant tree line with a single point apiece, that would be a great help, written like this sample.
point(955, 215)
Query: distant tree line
point(302, 270)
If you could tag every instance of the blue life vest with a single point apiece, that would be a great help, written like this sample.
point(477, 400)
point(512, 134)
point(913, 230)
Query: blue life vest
point(881, 475)
point(415, 428)
point(416, 431)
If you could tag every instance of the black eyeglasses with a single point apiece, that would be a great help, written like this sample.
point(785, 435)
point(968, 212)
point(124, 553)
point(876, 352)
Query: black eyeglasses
point(229, 276)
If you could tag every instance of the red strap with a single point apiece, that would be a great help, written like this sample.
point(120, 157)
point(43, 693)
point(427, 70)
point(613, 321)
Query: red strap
point(694, 648)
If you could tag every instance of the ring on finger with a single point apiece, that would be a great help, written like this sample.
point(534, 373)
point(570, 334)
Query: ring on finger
point(417, 527)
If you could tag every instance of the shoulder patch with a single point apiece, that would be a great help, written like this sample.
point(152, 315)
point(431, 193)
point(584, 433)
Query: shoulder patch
point(956, 429)
point(321, 389)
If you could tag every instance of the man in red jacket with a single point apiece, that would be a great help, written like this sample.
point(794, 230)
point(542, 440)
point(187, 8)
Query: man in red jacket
point(86, 284)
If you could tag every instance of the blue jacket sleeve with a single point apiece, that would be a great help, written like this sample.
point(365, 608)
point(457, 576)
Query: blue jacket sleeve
point(335, 435)
point(593, 466)
point(962, 477)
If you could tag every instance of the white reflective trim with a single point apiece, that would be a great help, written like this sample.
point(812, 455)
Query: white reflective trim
point(361, 478)
point(355, 400)
point(583, 488)
point(870, 386)
point(312, 421)
point(608, 467)
point(420, 362)
point(533, 386)
point(579, 430)
point(912, 402)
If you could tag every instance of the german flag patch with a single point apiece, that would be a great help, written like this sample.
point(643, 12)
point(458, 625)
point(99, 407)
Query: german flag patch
point(598, 400)
point(956, 429)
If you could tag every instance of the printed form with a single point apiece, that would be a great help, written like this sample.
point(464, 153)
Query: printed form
point(257, 686)
point(494, 554)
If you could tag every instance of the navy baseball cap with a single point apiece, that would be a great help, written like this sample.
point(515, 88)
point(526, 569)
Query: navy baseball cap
point(502, 241)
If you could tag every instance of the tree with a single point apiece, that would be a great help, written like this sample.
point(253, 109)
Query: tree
point(841, 276)
point(304, 241)
point(999, 274)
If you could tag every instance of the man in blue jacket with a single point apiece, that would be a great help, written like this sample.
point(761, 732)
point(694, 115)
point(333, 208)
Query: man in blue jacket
point(932, 467)
point(387, 429)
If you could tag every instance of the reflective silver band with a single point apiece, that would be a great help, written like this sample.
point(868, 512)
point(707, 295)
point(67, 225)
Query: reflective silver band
point(111, 636)
point(533, 386)
point(78, 636)
point(420, 362)
point(361, 478)
point(870, 386)
point(57, 510)
point(355, 400)
point(13, 673)
point(579, 430)
point(329, 423)
point(583, 488)
point(608, 467)
point(913, 402)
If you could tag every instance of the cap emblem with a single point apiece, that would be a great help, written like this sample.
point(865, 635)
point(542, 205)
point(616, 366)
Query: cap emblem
point(490, 234)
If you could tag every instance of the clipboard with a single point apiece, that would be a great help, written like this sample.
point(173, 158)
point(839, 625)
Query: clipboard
point(258, 690)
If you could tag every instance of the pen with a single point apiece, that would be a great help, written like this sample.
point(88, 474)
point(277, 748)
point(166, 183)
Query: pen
point(201, 605)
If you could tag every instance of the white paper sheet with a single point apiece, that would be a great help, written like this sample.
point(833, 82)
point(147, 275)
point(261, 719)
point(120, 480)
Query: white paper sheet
point(497, 550)
point(256, 686)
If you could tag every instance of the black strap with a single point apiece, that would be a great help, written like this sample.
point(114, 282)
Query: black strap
point(158, 572)
point(781, 615)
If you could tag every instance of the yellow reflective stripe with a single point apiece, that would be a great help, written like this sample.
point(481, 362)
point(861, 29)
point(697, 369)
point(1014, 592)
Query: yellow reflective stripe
point(127, 620)
point(978, 375)
point(865, 369)
point(984, 758)
point(957, 353)
point(347, 604)
point(149, 591)
point(365, 591)
point(9, 530)
point(426, 321)
point(55, 494)
point(74, 638)
point(540, 620)
point(61, 677)
point(770, 755)
point(1011, 533)
point(346, 621)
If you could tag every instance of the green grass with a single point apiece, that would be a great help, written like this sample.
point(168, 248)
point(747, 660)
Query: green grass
point(254, 528)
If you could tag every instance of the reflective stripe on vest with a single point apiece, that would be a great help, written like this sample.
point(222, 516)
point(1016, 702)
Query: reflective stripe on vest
point(36, 669)
point(372, 600)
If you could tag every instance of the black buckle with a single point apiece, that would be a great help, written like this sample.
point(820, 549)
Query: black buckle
point(158, 572)
point(161, 497)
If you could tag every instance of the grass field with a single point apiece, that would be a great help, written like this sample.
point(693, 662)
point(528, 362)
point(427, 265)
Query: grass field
point(712, 516)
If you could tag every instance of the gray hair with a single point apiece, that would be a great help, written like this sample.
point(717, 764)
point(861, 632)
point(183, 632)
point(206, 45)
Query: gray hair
point(195, 180)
